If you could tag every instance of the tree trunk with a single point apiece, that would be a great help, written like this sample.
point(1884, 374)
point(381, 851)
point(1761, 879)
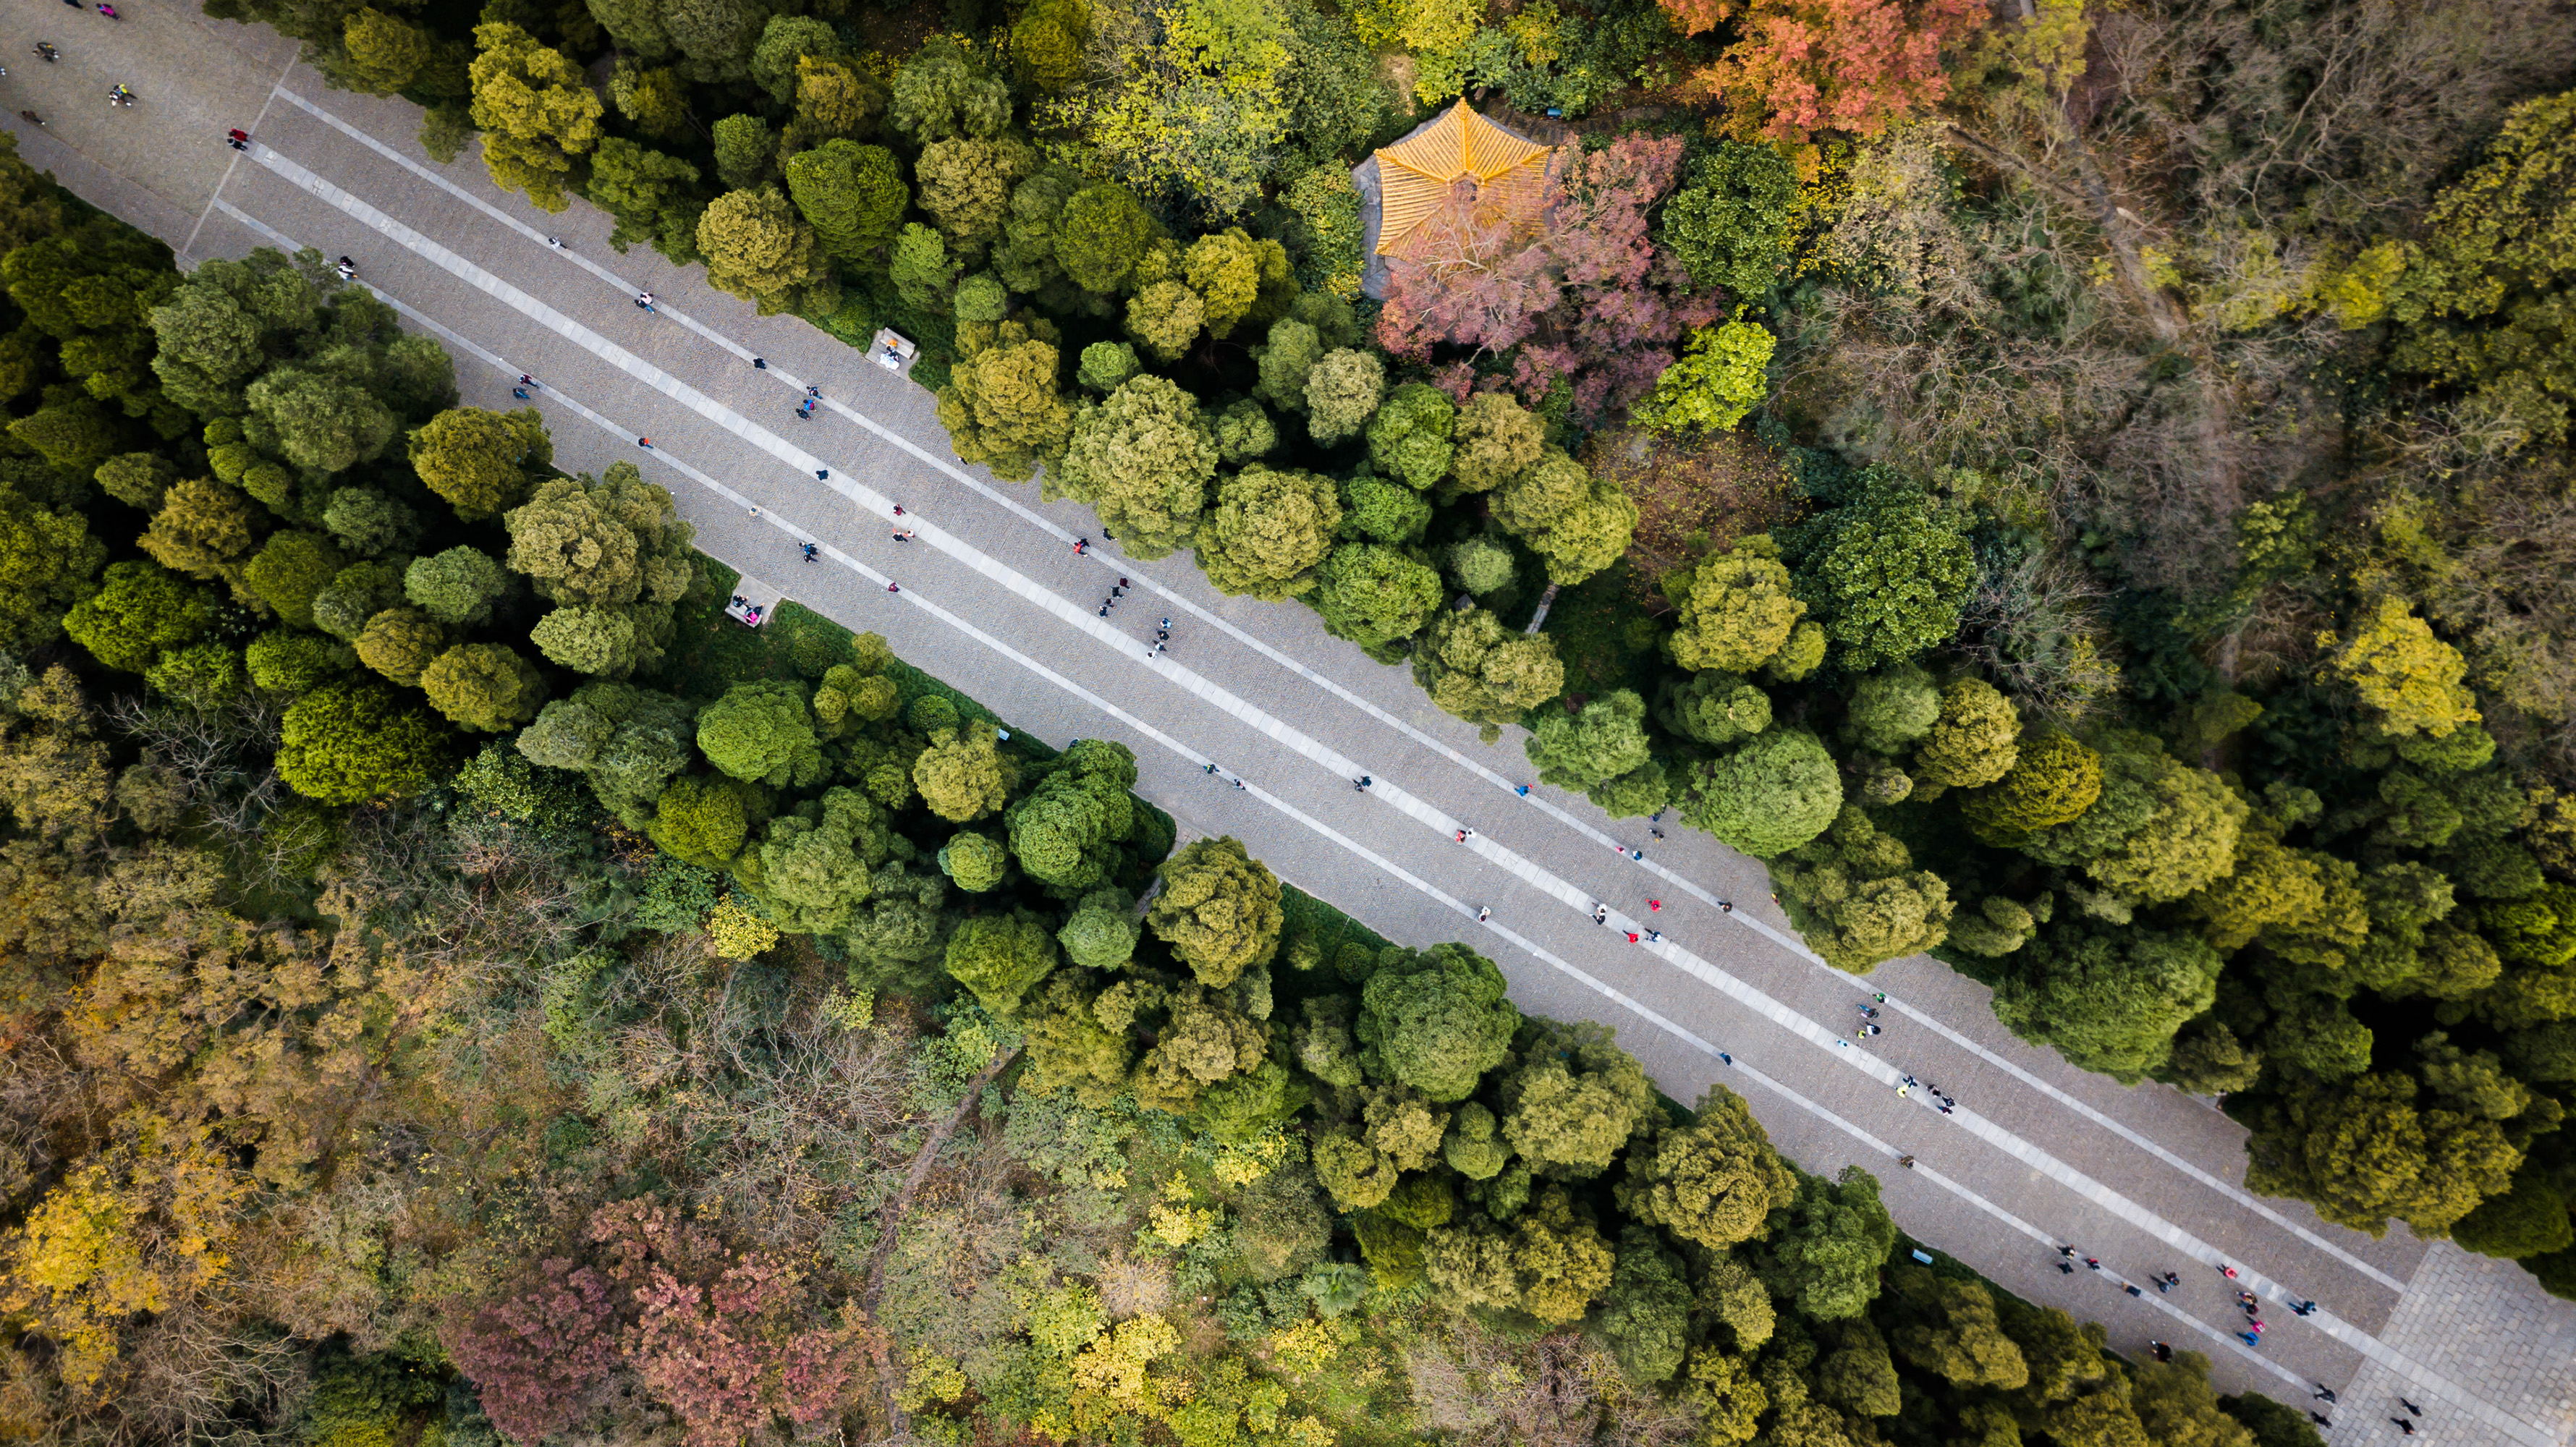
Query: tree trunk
point(1538, 619)
point(891, 1218)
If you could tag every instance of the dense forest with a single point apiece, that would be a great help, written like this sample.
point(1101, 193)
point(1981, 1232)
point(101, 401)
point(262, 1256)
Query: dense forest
point(2082, 492)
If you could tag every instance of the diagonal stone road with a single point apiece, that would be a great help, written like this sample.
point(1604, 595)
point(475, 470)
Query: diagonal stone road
point(993, 598)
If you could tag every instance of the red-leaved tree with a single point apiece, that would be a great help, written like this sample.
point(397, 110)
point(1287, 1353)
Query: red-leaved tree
point(731, 1357)
point(539, 1355)
point(729, 1344)
point(1801, 66)
point(1587, 299)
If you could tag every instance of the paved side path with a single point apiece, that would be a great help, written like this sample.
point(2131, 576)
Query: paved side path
point(993, 599)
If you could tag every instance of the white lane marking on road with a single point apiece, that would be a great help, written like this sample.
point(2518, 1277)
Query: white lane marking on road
point(234, 164)
point(1754, 998)
point(2361, 1341)
point(1495, 779)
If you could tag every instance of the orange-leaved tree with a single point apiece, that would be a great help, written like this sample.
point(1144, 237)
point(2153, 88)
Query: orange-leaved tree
point(1801, 66)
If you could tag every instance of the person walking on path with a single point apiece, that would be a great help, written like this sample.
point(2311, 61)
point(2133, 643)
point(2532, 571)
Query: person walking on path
point(2411, 1409)
point(557, 243)
point(1484, 914)
point(1654, 936)
point(894, 587)
point(644, 442)
point(644, 300)
point(1726, 906)
point(1362, 782)
point(1632, 936)
point(2303, 1308)
point(2227, 1271)
point(2320, 1418)
point(526, 381)
point(1653, 905)
point(2324, 1394)
point(2404, 1427)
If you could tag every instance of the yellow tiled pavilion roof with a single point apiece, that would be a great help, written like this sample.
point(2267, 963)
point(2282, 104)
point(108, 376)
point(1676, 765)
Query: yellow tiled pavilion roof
point(1418, 175)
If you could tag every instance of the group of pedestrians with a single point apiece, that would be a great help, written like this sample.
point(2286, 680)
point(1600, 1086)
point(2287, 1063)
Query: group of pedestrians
point(2405, 1425)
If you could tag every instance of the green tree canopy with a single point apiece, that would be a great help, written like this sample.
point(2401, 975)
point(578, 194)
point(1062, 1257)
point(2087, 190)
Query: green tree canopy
point(346, 743)
point(758, 248)
point(486, 687)
point(1218, 910)
point(1066, 832)
point(1374, 595)
point(1577, 521)
point(1975, 740)
point(289, 570)
point(615, 541)
point(1102, 236)
point(2107, 999)
point(654, 197)
point(457, 587)
point(1000, 956)
point(1736, 608)
point(1605, 739)
point(1714, 1181)
point(963, 775)
point(2363, 1151)
point(1497, 440)
point(816, 866)
point(1143, 459)
point(1342, 393)
point(2479, 302)
point(537, 113)
point(852, 195)
point(481, 462)
point(1886, 574)
point(1827, 1246)
point(1002, 409)
point(1437, 1020)
point(1715, 708)
point(2055, 777)
point(140, 612)
point(1268, 533)
point(1409, 438)
point(942, 91)
point(1480, 671)
point(2159, 830)
point(399, 643)
point(1102, 931)
point(762, 732)
point(1772, 794)
point(1574, 1101)
point(1855, 897)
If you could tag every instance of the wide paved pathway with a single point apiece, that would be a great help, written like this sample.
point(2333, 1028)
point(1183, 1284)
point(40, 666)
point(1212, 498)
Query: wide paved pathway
point(993, 599)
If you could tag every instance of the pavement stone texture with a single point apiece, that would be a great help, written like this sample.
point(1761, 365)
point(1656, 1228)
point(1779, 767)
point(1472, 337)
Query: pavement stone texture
point(2478, 1320)
point(994, 601)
